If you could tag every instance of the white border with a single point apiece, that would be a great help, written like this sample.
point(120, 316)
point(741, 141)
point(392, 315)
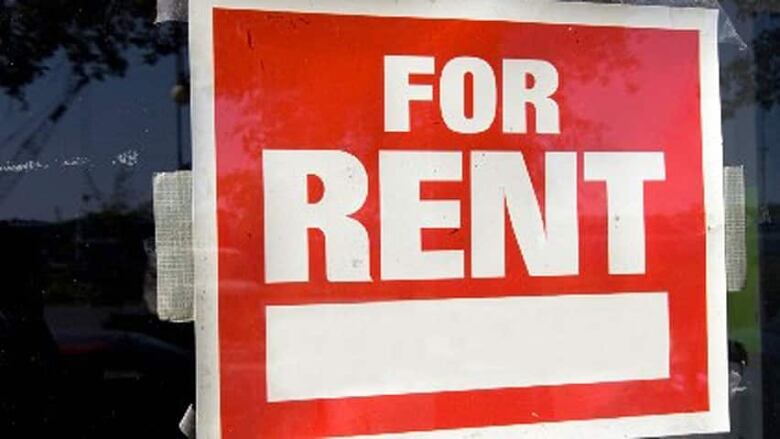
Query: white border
point(204, 220)
point(204, 193)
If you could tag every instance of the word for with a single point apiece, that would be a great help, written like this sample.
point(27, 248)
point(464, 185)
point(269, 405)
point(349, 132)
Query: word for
point(524, 82)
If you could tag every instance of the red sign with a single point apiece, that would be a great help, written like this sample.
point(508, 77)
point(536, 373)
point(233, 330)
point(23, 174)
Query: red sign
point(441, 219)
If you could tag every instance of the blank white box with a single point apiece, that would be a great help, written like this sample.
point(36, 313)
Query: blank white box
point(424, 346)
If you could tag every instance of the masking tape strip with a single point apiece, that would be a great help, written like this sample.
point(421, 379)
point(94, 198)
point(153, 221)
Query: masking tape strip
point(171, 10)
point(734, 203)
point(173, 239)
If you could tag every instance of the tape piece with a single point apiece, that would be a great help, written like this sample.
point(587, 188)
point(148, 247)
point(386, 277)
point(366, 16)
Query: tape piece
point(172, 203)
point(727, 33)
point(171, 10)
point(187, 424)
point(734, 204)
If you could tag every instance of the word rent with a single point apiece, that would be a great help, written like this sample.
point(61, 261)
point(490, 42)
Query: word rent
point(546, 229)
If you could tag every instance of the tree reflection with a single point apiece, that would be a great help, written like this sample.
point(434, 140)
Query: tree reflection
point(96, 40)
point(95, 363)
point(94, 36)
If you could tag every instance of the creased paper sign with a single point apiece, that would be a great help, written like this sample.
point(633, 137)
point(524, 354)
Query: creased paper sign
point(448, 219)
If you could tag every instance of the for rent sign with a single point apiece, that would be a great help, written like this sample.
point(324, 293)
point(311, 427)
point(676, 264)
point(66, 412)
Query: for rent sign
point(448, 218)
